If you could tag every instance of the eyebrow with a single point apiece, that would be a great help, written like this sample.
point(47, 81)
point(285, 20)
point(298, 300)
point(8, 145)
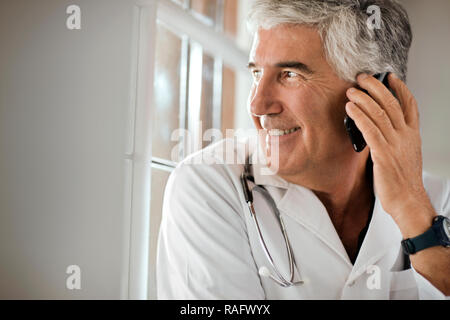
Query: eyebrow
point(287, 64)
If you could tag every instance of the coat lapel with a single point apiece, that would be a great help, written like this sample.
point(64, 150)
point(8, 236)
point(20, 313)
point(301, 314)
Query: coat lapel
point(382, 237)
point(302, 205)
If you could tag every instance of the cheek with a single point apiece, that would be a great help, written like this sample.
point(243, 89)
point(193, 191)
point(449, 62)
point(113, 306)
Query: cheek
point(318, 113)
point(307, 106)
point(328, 107)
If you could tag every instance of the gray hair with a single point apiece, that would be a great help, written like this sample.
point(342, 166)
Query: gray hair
point(350, 46)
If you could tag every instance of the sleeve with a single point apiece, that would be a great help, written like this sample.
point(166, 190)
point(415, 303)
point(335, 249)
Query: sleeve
point(203, 247)
point(427, 291)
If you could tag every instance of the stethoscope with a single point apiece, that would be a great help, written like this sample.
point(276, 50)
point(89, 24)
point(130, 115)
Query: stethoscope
point(264, 271)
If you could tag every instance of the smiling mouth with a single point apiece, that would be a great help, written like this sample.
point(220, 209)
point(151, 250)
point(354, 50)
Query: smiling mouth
point(280, 132)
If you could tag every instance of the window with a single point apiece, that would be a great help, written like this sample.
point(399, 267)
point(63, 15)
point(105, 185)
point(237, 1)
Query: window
point(200, 82)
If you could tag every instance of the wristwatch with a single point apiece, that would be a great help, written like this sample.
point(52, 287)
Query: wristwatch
point(437, 235)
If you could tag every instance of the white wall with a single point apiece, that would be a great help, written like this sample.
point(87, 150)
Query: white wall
point(429, 78)
point(64, 98)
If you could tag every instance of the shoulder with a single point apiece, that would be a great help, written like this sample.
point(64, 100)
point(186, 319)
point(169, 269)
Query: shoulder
point(209, 174)
point(204, 218)
point(203, 195)
point(438, 189)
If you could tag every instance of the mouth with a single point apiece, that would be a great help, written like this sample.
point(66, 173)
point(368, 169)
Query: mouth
point(282, 132)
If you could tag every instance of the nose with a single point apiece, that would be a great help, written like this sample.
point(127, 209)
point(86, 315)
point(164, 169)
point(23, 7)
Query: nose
point(263, 98)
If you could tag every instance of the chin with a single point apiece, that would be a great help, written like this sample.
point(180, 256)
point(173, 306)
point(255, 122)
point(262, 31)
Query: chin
point(284, 165)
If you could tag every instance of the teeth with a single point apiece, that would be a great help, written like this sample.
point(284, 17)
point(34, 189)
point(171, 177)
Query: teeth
point(278, 132)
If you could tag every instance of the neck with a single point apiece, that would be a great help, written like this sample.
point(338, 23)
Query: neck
point(344, 190)
point(353, 192)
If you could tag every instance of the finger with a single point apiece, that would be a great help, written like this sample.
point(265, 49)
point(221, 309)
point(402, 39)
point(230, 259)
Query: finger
point(381, 95)
point(406, 99)
point(373, 110)
point(371, 133)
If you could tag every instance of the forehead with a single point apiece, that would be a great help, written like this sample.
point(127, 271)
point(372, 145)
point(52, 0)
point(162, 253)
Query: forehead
point(286, 43)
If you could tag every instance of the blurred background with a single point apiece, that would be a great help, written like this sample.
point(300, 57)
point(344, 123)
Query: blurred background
point(87, 122)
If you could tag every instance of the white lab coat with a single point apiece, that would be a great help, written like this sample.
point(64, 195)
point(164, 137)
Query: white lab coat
point(208, 247)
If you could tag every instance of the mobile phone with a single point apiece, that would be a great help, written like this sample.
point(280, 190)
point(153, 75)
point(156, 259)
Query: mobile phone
point(356, 137)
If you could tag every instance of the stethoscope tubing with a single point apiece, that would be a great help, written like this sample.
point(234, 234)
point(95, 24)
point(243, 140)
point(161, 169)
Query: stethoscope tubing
point(279, 279)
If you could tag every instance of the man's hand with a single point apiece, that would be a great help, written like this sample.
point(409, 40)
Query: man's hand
point(391, 130)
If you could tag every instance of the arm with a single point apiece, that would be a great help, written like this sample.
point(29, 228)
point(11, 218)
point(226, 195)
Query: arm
point(391, 128)
point(432, 263)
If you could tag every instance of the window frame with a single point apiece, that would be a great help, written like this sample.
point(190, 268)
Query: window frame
point(139, 162)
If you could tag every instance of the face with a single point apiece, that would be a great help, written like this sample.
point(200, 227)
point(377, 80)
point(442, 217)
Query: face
point(298, 100)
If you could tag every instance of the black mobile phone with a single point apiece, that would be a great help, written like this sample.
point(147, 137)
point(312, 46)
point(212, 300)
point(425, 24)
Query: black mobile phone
point(356, 137)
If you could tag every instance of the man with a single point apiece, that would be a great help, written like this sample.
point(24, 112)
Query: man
point(345, 213)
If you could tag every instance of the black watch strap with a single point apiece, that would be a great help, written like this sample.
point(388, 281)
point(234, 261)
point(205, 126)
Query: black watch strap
point(425, 240)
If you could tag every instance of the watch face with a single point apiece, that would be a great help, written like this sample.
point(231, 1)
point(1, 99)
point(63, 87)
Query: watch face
point(446, 224)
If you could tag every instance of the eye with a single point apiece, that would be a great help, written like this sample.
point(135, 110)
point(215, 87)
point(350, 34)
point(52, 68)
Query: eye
point(291, 78)
point(256, 74)
point(291, 75)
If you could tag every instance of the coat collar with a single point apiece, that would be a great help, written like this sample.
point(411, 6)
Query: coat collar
point(305, 208)
point(383, 236)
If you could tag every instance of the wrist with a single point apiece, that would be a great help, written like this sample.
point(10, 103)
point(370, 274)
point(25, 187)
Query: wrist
point(415, 219)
